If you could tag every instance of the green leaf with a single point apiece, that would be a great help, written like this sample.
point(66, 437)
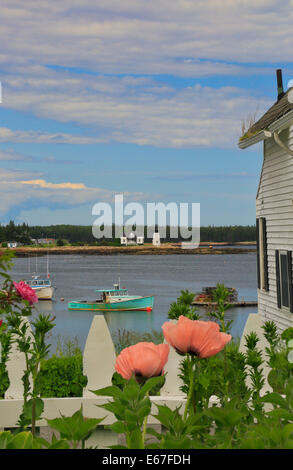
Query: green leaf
point(153, 432)
point(116, 408)
point(144, 411)
point(135, 439)
point(60, 444)
point(5, 438)
point(130, 416)
point(76, 427)
point(131, 390)
point(111, 391)
point(287, 431)
point(225, 417)
point(172, 443)
point(117, 427)
point(166, 416)
point(151, 383)
point(26, 416)
point(275, 399)
point(280, 413)
point(22, 440)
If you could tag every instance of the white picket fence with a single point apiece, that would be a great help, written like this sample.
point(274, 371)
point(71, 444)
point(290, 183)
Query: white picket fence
point(98, 365)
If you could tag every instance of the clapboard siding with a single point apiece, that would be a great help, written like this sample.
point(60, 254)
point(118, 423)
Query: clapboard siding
point(275, 202)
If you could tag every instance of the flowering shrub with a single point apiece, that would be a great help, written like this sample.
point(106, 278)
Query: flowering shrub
point(211, 366)
point(26, 292)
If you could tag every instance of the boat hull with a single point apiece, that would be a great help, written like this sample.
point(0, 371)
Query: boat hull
point(139, 303)
point(44, 293)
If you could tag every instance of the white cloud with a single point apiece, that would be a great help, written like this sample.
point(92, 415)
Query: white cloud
point(18, 136)
point(18, 188)
point(182, 38)
point(130, 110)
point(147, 37)
point(11, 155)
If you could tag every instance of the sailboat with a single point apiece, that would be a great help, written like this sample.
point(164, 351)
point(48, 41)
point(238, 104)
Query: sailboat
point(41, 285)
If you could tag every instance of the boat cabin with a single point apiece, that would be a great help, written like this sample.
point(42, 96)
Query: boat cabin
point(36, 283)
point(110, 295)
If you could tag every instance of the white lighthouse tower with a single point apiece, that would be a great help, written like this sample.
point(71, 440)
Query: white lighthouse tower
point(156, 239)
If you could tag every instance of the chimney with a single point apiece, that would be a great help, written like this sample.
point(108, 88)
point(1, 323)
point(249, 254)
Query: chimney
point(280, 84)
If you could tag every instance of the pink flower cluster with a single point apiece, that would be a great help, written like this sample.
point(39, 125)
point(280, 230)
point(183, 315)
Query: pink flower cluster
point(26, 292)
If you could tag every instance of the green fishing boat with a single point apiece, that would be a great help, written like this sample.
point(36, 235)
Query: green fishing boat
point(116, 299)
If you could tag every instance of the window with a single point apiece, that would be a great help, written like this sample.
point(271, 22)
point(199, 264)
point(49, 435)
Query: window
point(262, 256)
point(284, 279)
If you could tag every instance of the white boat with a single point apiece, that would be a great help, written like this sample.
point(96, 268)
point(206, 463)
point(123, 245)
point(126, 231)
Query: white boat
point(42, 287)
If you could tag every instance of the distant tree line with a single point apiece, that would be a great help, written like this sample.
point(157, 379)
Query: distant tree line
point(15, 233)
point(81, 234)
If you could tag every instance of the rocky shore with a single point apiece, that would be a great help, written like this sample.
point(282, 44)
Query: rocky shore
point(164, 249)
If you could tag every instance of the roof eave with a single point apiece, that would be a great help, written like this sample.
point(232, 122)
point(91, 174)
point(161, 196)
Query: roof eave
point(278, 125)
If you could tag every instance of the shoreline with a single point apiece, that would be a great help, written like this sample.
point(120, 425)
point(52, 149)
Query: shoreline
point(167, 249)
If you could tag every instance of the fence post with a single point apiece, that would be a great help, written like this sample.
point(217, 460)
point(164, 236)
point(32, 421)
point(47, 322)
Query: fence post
point(173, 382)
point(15, 367)
point(99, 356)
point(98, 365)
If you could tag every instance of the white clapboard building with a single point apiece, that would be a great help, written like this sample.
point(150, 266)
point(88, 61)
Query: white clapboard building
point(274, 208)
point(132, 239)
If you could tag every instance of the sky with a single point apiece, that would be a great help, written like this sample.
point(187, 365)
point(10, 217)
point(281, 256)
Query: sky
point(144, 98)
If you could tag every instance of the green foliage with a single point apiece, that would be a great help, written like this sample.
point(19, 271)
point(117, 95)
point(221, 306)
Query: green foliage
point(5, 342)
point(75, 429)
point(179, 432)
point(62, 377)
point(32, 345)
point(222, 375)
point(14, 233)
point(287, 334)
point(220, 297)
point(281, 369)
point(183, 307)
point(25, 418)
point(131, 406)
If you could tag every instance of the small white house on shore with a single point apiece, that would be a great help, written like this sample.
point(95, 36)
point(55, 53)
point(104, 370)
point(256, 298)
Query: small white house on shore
point(12, 244)
point(132, 239)
point(274, 208)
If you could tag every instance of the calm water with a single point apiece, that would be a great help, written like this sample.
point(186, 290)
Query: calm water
point(164, 276)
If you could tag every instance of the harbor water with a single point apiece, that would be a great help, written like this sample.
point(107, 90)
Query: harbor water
point(76, 277)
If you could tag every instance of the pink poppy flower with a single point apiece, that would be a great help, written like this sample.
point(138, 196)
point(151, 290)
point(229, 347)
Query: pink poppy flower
point(26, 292)
point(142, 360)
point(201, 338)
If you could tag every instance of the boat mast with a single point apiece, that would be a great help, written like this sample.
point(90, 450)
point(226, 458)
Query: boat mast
point(48, 275)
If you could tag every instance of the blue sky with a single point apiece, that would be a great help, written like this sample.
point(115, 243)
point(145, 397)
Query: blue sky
point(141, 97)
